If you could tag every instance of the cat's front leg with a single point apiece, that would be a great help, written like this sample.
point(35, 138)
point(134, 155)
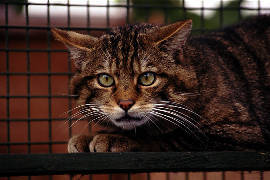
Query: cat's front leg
point(114, 143)
point(79, 143)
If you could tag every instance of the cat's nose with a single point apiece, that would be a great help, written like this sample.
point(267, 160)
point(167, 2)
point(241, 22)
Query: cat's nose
point(126, 104)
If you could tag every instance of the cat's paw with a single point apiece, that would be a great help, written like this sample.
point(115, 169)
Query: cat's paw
point(113, 143)
point(79, 143)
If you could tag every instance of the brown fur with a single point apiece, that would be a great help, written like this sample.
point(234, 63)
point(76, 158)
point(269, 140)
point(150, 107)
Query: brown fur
point(211, 92)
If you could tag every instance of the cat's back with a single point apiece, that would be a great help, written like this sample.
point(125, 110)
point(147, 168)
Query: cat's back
point(251, 36)
point(241, 52)
point(244, 49)
point(233, 68)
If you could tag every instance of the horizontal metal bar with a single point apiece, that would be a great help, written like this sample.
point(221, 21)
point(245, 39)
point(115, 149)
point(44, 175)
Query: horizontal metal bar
point(90, 163)
point(67, 28)
point(37, 96)
point(31, 143)
point(31, 119)
point(33, 50)
point(63, 4)
point(49, 27)
point(130, 6)
point(36, 73)
point(41, 119)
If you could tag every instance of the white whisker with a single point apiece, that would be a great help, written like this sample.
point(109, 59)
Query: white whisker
point(164, 117)
point(81, 112)
point(169, 110)
point(179, 106)
point(103, 118)
point(152, 121)
point(83, 117)
point(178, 116)
point(79, 106)
point(174, 121)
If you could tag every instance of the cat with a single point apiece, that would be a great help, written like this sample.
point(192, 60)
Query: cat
point(157, 88)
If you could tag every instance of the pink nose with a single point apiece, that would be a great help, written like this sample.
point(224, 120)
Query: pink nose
point(126, 104)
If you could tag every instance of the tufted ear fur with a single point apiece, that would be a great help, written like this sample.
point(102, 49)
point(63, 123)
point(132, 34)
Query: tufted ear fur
point(173, 36)
point(78, 44)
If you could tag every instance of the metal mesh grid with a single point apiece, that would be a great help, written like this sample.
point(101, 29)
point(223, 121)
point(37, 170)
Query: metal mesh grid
point(35, 70)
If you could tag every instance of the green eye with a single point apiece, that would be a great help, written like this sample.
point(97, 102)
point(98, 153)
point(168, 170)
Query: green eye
point(147, 79)
point(105, 80)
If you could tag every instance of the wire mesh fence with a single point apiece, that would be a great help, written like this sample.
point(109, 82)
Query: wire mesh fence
point(35, 70)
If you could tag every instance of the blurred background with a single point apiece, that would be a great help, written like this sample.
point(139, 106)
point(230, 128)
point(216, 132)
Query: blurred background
point(35, 69)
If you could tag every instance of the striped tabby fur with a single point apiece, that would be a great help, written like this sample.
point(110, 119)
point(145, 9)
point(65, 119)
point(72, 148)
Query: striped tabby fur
point(211, 92)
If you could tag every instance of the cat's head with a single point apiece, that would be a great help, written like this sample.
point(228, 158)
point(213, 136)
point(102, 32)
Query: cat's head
point(131, 75)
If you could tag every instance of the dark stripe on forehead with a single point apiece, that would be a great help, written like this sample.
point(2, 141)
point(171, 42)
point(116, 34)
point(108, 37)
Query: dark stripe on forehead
point(127, 37)
point(135, 45)
point(106, 48)
point(125, 44)
point(114, 43)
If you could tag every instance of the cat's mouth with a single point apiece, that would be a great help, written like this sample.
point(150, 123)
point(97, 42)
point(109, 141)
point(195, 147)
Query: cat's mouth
point(127, 119)
point(128, 122)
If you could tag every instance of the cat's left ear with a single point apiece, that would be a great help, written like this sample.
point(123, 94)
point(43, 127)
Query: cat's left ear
point(173, 35)
point(73, 39)
point(78, 44)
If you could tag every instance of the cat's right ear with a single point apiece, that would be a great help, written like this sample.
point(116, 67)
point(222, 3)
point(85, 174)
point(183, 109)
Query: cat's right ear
point(173, 35)
point(78, 44)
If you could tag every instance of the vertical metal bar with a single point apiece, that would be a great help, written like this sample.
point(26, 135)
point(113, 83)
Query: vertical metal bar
point(223, 175)
point(49, 79)
point(28, 79)
point(69, 76)
point(90, 176)
point(204, 175)
point(239, 11)
point(259, 7)
point(148, 13)
point(110, 177)
point(88, 31)
point(148, 176)
point(186, 176)
point(202, 18)
point(88, 16)
point(7, 77)
point(261, 175)
point(168, 176)
point(242, 175)
point(128, 11)
point(49, 76)
point(166, 15)
point(108, 14)
point(221, 14)
point(129, 176)
point(184, 9)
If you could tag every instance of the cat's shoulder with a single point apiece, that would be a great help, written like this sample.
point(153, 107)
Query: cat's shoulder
point(258, 24)
point(250, 28)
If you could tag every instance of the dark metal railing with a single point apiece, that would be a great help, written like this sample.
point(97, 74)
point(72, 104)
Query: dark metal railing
point(93, 163)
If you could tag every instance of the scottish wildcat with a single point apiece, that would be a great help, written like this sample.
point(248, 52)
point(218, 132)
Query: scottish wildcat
point(156, 88)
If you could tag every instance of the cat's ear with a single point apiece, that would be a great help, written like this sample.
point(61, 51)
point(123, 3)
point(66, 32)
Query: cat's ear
point(78, 44)
point(174, 35)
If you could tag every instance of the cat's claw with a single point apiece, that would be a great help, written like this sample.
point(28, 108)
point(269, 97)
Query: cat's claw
point(112, 143)
point(79, 143)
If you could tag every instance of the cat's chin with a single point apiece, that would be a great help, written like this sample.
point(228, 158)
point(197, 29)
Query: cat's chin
point(129, 123)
